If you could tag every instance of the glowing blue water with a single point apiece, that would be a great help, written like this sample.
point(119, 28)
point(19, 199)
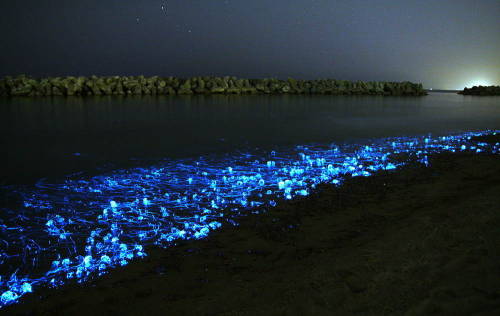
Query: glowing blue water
point(82, 227)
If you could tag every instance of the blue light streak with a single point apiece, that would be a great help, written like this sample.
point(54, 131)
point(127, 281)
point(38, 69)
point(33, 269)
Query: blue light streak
point(82, 227)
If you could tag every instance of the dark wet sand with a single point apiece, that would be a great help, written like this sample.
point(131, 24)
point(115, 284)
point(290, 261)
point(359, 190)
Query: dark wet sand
point(418, 241)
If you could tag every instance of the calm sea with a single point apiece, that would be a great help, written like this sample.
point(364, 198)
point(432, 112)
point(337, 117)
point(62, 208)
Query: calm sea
point(53, 137)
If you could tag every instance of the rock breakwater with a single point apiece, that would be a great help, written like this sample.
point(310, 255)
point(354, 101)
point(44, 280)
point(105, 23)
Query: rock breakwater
point(139, 85)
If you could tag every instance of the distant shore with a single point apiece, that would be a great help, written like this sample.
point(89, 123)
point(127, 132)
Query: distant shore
point(442, 91)
point(139, 85)
point(417, 241)
point(481, 91)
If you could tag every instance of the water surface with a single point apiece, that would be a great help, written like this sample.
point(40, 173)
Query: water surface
point(50, 137)
point(53, 137)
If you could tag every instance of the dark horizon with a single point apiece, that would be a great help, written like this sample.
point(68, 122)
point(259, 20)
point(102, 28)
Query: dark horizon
point(444, 45)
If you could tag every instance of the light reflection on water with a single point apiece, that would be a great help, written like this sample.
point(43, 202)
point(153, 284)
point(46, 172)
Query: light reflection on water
point(85, 225)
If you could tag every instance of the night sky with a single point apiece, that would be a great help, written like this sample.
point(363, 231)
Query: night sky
point(445, 44)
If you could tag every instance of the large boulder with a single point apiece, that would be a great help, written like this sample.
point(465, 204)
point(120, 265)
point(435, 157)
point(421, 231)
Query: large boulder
point(232, 88)
point(22, 86)
point(185, 88)
point(21, 90)
point(217, 88)
point(91, 86)
point(131, 86)
point(260, 87)
point(200, 86)
point(119, 89)
point(44, 87)
point(170, 91)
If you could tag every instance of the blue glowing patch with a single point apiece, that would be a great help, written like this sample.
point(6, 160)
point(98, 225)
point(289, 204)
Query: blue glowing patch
point(82, 227)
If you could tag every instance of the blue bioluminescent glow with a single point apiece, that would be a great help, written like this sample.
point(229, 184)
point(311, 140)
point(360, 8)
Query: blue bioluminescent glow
point(83, 226)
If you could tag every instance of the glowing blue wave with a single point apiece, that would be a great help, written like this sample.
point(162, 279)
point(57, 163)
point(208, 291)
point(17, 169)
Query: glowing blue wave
point(84, 226)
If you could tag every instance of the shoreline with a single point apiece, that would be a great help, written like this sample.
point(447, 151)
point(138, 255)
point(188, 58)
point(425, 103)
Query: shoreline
point(481, 91)
point(418, 240)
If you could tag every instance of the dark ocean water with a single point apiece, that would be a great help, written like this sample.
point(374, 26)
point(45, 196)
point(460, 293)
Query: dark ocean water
point(53, 137)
